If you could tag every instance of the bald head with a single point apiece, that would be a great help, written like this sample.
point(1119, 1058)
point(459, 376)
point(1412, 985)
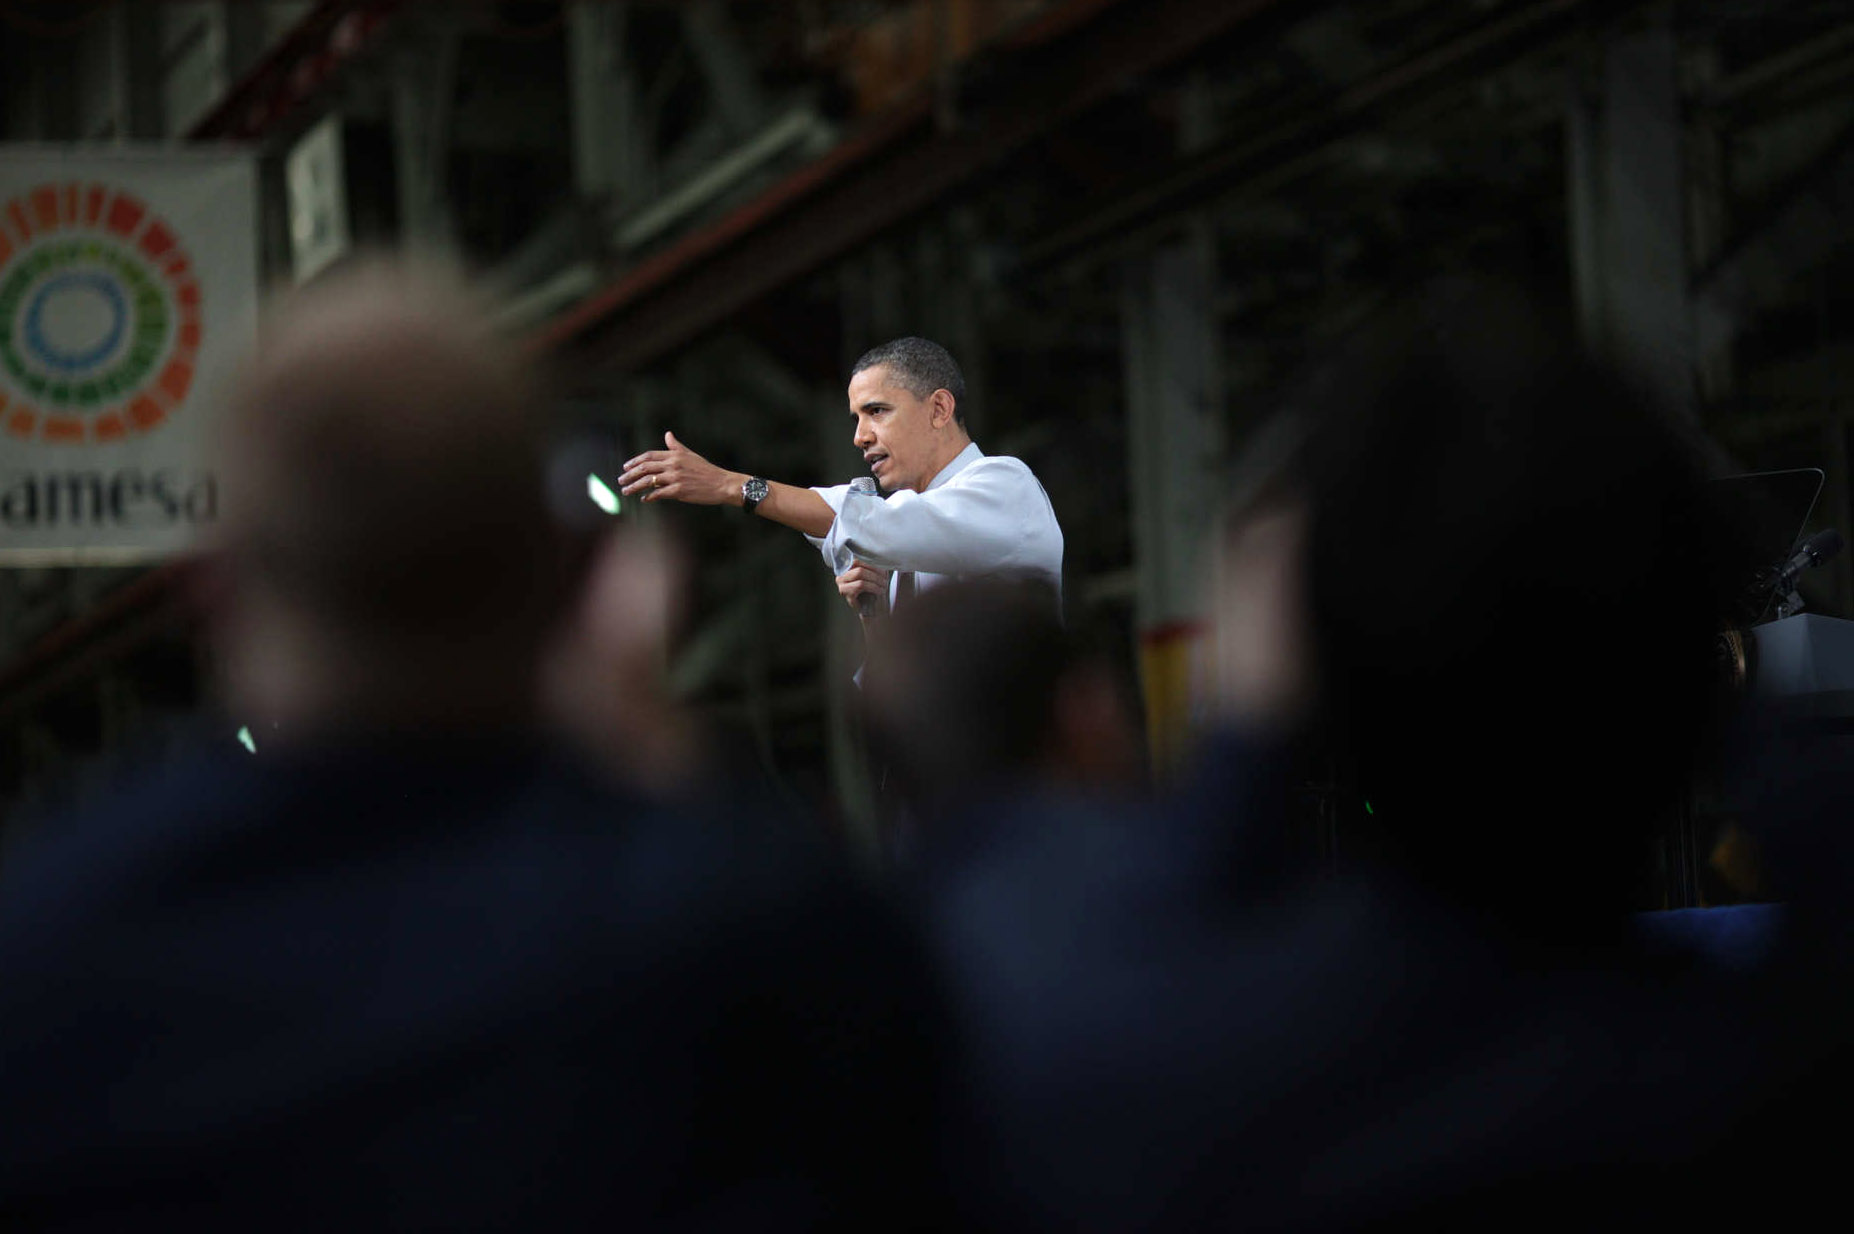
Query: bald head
point(383, 471)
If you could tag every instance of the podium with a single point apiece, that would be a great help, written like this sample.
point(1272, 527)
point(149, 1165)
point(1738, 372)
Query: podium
point(1799, 673)
point(1803, 666)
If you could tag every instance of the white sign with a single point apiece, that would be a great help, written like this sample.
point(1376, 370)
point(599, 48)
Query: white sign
point(317, 188)
point(128, 291)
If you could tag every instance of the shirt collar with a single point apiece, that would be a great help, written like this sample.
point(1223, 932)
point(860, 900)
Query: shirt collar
point(965, 458)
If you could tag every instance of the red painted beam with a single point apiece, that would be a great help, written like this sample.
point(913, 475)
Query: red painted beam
point(292, 71)
point(1073, 58)
point(789, 194)
point(163, 586)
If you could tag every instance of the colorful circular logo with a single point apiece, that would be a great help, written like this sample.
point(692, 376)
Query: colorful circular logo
point(99, 316)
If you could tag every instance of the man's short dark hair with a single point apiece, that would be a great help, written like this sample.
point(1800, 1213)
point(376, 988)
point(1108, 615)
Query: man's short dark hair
point(920, 366)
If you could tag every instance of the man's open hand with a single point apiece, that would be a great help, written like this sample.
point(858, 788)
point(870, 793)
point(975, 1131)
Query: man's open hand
point(678, 473)
point(863, 579)
point(1263, 666)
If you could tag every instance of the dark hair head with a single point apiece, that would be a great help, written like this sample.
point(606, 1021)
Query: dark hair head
point(961, 687)
point(1516, 576)
point(384, 435)
point(920, 366)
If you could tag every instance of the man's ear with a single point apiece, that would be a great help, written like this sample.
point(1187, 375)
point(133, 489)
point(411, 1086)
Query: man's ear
point(943, 408)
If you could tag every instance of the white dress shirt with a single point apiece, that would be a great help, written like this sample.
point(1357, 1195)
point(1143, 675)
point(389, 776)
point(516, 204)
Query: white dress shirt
point(980, 517)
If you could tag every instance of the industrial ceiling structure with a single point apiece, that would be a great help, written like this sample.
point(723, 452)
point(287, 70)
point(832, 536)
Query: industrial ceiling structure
point(1132, 220)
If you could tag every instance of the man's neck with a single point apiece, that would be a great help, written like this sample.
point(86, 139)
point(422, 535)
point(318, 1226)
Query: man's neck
point(955, 448)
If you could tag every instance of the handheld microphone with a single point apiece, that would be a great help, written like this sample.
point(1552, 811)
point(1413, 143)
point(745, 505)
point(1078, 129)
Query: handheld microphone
point(868, 605)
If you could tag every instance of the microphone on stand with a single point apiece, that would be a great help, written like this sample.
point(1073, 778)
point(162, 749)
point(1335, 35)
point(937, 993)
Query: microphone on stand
point(867, 604)
point(1814, 551)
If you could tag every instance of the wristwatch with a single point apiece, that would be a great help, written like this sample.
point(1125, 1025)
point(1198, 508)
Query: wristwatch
point(753, 492)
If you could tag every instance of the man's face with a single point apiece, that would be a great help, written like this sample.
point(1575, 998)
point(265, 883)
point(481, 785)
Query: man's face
point(894, 430)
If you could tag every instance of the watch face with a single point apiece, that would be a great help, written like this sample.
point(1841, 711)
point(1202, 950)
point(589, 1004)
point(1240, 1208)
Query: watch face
point(755, 490)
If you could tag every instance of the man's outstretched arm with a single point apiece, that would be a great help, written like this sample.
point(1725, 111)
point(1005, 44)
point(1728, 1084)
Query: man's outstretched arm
point(677, 473)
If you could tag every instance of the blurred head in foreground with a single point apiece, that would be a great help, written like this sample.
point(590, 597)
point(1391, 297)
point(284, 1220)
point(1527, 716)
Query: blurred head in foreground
point(976, 688)
point(1490, 573)
point(387, 558)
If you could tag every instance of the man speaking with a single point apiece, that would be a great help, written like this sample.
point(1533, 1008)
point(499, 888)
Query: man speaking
point(945, 510)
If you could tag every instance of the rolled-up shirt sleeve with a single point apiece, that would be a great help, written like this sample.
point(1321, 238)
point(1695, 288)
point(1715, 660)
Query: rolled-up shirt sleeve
point(833, 497)
point(994, 519)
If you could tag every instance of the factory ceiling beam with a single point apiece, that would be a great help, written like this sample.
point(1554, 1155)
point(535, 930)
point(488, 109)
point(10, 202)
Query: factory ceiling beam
point(1796, 229)
point(612, 151)
point(1081, 55)
point(733, 80)
point(424, 93)
point(1277, 140)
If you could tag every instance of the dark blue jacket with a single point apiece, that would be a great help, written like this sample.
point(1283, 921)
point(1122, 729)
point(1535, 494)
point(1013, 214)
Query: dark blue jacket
point(1169, 1023)
point(446, 984)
